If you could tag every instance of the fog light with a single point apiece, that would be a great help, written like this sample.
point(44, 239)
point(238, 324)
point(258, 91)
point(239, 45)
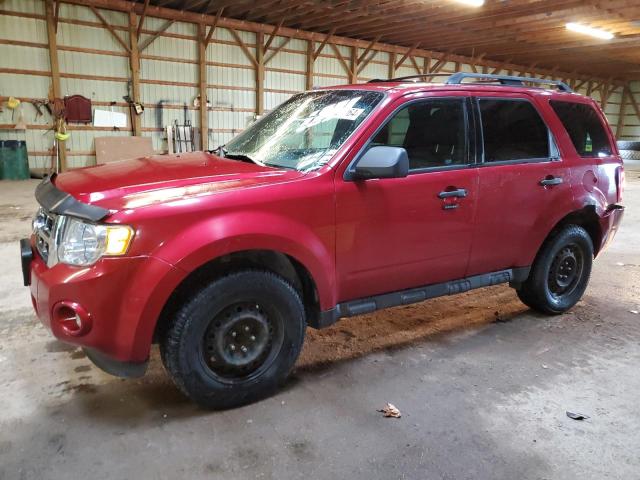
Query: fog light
point(72, 317)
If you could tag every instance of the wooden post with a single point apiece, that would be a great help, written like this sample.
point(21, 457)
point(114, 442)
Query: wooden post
point(55, 73)
point(202, 63)
point(621, 113)
point(134, 61)
point(353, 73)
point(259, 73)
point(310, 64)
point(391, 72)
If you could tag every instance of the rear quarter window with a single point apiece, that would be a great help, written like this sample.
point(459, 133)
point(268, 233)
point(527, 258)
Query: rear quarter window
point(584, 127)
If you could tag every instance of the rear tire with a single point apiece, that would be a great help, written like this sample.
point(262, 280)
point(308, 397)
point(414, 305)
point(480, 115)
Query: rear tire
point(235, 341)
point(560, 272)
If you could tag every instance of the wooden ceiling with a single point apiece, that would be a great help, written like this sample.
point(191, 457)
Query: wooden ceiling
point(523, 32)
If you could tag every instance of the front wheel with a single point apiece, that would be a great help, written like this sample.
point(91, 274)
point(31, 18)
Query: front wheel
point(560, 273)
point(235, 341)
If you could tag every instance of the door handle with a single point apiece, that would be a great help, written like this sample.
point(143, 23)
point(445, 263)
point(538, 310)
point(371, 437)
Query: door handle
point(550, 181)
point(460, 192)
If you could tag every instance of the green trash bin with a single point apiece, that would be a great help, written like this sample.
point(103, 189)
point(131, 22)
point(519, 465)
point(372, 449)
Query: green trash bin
point(14, 163)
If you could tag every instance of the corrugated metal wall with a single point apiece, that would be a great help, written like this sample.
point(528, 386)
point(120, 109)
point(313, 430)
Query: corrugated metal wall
point(94, 64)
point(631, 130)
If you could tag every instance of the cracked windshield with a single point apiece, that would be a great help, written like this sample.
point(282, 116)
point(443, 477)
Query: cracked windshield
point(304, 132)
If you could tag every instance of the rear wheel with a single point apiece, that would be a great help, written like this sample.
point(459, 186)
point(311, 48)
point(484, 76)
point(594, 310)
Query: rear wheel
point(560, 273)
point(236, 341)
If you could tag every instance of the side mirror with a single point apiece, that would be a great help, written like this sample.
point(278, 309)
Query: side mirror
point(382, 162)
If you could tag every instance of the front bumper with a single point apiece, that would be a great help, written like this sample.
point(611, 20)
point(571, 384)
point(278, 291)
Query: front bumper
point(118, 301)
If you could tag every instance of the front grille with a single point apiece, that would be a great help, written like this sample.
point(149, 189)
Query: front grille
point(44, 229)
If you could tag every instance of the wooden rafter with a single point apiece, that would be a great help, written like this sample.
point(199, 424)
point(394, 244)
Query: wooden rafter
point(56, 15)
point(317, 53)
point(244, 47)
point(108, 26)
point(269, 57)
point(272, 36)
point(492, 22)
point(213, 27)
point(406, 55)
point(155, 35)
point(142, 17)
point(341, 59)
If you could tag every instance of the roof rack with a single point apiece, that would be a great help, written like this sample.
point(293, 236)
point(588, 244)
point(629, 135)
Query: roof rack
point(458, 78)
point(410, 77)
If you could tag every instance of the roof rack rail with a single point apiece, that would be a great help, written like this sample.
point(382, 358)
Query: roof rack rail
point(410, 77)
point(457, 79)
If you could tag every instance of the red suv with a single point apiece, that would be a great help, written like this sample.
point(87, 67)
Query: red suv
point(339, 202)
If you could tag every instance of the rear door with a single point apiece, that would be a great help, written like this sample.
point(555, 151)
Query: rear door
point(523, 182)
point(397, 233)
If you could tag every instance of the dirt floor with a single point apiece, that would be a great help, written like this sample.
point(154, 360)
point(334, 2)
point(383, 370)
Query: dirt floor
point(483, 385)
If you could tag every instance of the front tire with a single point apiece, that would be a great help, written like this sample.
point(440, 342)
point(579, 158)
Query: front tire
point(560, 273)
point(235, 341)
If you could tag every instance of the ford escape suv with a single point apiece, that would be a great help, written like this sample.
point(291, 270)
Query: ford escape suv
point(339, 202)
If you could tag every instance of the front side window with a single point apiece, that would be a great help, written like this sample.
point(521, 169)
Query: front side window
point(306, 131)
point(584, 127)
point(512, 130)
point(432, 132)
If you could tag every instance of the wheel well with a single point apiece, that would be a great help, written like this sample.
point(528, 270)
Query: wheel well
point(276, 262)
point(586, 218)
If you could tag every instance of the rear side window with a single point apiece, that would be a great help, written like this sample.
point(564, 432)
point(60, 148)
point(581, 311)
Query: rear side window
point(512, 130)
point(584, 127)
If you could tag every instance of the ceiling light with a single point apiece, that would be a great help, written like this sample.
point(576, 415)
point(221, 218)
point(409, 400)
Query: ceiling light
point(591, 31)
point(471, 3)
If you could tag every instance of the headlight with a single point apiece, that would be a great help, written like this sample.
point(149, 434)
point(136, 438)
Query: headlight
point(84, 243)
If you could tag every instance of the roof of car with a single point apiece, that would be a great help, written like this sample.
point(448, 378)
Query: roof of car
point(480, 82)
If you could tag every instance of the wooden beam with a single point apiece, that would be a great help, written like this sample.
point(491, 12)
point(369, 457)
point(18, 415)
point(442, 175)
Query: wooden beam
point(353, 71)
point(362, 66)
point(259, 64)
point(134, 62)
point(500, 67)
point(605, 93)
point(212, 28)
point(391, 69)
point(310, 65)
point(406, 55)
point(622, 112)
point(195, 17)
point(110, 28)
point(202, 77)
point(342, 60)
point(368, 49)
point(142, 17)
point(244, 47)
point(273, 34)
point(276, 50)
point(323, 43)
point(56, 16)
point(143, 46)
point(634, 104)
point(55, 73)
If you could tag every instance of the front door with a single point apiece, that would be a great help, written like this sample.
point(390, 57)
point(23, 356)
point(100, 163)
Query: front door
point(394, 234)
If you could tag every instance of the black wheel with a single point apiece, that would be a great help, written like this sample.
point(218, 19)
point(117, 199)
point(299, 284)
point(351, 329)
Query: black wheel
point(236, 341)
point(560, 272)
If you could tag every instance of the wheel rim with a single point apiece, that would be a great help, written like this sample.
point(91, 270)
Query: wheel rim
point(241, 341)
point(566, 271)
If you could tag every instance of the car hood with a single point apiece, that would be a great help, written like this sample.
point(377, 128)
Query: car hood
point(158, 179)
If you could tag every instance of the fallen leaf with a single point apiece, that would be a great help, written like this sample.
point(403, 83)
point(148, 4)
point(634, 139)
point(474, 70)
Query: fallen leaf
point(577, 416)
point(390, 410)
